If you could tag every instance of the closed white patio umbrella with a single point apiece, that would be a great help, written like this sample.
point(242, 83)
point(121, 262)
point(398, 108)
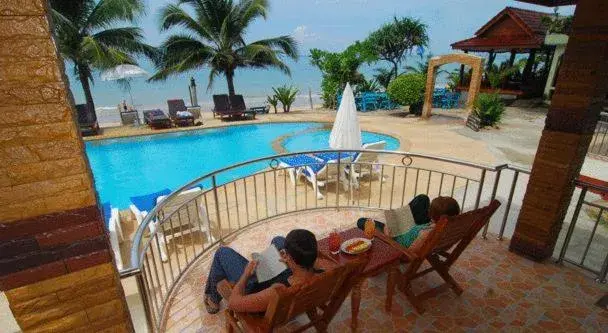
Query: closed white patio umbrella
point(346, 133)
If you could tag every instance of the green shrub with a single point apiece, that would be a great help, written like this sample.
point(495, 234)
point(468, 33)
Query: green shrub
point(274, 101)
point(408, 89)
point(286, 95)
point(489, 108)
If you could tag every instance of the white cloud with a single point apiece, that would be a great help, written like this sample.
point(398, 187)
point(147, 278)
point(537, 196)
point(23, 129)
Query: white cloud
point(303, 35)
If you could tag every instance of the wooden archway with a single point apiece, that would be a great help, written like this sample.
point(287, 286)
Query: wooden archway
point(466, 59)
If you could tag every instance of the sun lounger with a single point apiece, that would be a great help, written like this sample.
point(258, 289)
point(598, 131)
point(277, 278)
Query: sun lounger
point(237, 104)
point(317, 171)
point(179, 113)
point(363, 163)
point(294, 164)
point(184, 215)
point(112, 221)
point(156, 119)
point(87, 121)
point(222, 107)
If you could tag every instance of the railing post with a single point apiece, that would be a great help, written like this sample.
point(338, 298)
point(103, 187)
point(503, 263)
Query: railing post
point(577, 210)
point(601, 278)
point(484, 234)
point(508, 206)
point(217, 207)
point(141, 288)
point(338, 184)
point(494, 189)
point(481, 182)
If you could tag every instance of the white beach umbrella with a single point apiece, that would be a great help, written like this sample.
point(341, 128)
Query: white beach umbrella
point(346, 133)
point(123, 74)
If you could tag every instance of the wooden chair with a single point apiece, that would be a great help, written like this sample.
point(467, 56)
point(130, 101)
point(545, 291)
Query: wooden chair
point(320, 299)
point(454, 233)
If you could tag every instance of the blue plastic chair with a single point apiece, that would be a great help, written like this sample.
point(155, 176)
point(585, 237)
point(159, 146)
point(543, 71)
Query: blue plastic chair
point(450, 100)
point(145, 203)
point(369, 101)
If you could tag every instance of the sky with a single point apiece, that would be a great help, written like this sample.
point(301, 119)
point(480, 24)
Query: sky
point(324, 24)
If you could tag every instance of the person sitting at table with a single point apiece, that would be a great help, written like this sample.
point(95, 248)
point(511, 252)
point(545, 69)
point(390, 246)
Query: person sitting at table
point(298, 251)
point(423, 221)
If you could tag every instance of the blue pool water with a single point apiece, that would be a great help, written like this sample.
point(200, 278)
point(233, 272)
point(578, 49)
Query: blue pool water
point(135, 166)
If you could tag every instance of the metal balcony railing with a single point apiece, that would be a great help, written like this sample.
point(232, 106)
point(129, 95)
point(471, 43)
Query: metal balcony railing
point(228, 205)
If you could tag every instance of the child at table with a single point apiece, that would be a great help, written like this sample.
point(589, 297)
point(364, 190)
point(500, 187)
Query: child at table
point(423, 221)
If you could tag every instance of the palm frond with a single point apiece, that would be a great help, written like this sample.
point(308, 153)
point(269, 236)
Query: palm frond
point(286, 44)
point(262, 56)
point(182, 53)
point(108, 12)
point(174, 16)
point(127, 39)
point(250, 10)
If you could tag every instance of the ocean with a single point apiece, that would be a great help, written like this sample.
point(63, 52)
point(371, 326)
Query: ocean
point(254, 85)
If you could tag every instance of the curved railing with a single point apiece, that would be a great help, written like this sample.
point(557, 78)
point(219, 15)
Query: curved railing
point(214, 208)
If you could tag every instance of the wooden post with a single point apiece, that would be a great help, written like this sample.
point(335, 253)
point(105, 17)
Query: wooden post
point(512, 58)
point(491, 58)
point(529, 64)
point(569, 127)
point(461, 76)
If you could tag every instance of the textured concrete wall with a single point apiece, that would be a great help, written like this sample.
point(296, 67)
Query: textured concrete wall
point(42, 165)
point(55, 261)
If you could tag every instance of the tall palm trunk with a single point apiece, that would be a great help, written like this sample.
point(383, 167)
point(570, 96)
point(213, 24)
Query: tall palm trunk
point(84, 80)
point(230, 80)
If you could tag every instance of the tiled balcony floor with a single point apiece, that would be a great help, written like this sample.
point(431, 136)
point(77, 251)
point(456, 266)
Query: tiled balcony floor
point(502, 291)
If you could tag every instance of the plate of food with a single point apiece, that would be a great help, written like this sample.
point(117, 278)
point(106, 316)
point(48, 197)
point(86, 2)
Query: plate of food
point(356, 245)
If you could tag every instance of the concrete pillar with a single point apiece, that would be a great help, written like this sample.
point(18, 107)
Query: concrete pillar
point(56, 266)
point(574, 112)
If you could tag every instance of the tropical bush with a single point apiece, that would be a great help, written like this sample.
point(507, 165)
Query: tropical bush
point(498, 74)
point(274, 101)
point(286, 95)
point(489, 108)
point(408, 89)
point(383, 76)
point(338, 68)
point(367, 86)
point(556, 23)
point(395, 39)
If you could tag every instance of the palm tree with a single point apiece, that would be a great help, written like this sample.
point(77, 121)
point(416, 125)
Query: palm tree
point(215, 37)
point(87, 35)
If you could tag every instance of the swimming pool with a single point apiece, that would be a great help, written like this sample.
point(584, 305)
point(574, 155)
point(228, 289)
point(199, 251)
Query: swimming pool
point(134, 166)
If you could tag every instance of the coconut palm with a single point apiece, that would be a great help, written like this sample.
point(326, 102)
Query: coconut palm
point(214, 37)
point(87, 35)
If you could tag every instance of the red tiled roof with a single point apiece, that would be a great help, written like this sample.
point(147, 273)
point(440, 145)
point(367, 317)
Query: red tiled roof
point(530, 22)
point(497, 44)
point(551, 3)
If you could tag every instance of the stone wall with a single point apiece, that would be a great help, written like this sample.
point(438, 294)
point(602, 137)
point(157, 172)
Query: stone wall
point(55, 261)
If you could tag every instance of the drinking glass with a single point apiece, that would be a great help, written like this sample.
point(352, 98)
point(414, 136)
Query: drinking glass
point(334, 242)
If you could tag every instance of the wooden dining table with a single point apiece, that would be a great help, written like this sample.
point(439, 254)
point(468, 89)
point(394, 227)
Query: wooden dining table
point(383, 257)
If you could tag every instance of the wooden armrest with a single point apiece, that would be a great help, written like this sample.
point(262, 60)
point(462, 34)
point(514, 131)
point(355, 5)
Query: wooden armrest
point(225, 289)
point(411, 256)
point(327, 257)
